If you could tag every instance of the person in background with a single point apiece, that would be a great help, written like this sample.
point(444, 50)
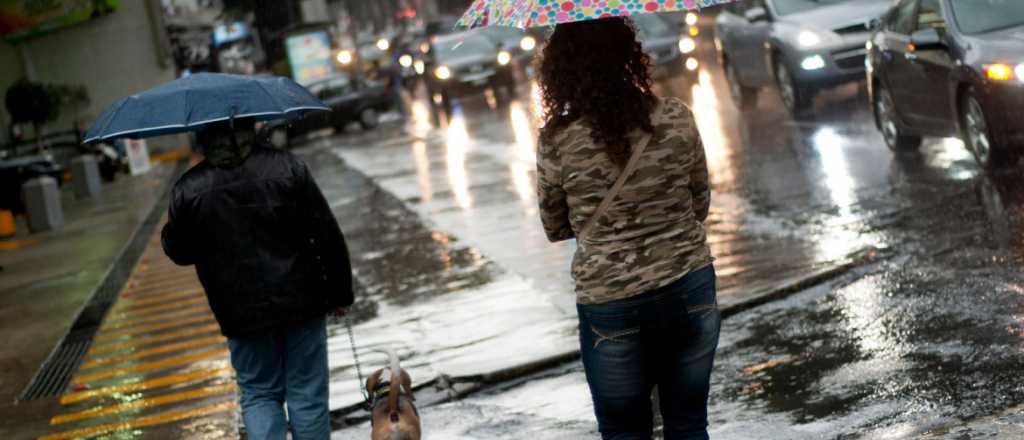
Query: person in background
point(273, 263)
point(624, 172)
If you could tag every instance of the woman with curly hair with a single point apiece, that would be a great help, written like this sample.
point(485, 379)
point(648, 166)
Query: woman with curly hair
point(624, 173)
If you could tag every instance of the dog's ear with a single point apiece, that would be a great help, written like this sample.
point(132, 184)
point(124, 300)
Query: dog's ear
point(407, 383)
point(372, 381)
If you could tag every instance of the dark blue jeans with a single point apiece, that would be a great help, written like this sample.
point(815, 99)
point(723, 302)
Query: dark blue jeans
point(666, 337)
point(279, 366)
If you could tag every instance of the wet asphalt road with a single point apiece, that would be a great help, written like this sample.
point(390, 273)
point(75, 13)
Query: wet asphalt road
point(926, 340)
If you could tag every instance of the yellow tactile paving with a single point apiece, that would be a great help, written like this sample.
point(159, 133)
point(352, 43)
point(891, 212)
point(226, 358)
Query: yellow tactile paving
point(149, 366)
point(158, 360)
point(162, 400)
point(157, 299)
point(146, 385)
point(124, 321)
point(150, 328)
point(147, 340)
point(162, 349)
point(137, 311)
point(142, 422)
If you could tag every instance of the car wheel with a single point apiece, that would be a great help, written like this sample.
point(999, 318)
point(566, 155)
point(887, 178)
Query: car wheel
point(744, 97)
point(885, 113)
point(797, 99)
point(368, 119)
point(977, 135)
point(279, 138)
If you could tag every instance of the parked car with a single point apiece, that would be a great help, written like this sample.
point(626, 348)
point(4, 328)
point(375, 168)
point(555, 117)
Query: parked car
point(465, 63)
point(350, 99)
point(951, 68)
point(799, 46)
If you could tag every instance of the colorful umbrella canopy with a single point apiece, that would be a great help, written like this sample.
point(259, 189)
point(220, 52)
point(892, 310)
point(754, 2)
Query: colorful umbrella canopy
point(531, 13)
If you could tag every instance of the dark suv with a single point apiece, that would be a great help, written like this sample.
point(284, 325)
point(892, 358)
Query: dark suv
point(465, 63)
point(951, 68)
point(350, 99)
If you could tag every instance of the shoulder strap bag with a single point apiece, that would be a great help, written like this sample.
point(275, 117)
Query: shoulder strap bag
point(634, 161)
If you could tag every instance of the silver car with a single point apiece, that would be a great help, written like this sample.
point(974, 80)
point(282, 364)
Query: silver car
point(799, 46)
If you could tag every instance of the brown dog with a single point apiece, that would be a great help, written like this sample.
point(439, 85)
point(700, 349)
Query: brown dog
point(394, 417)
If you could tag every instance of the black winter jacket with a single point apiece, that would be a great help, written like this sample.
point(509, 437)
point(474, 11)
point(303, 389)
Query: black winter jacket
point(265, 244)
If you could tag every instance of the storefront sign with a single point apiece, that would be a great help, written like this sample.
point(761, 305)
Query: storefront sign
point(20, 19)
point(309, 55)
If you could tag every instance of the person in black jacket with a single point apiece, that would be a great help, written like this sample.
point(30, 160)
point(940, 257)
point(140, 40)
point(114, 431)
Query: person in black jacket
point(274, 263)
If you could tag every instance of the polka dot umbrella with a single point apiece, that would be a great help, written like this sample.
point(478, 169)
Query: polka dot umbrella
point(533, 13)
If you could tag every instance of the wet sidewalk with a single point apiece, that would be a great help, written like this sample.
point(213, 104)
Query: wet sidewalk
point(104, 336)
point(158, 366)
point(48, 280)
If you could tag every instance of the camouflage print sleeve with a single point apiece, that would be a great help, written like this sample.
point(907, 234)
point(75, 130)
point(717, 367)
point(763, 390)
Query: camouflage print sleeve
point(700, 185)
point(554, 208)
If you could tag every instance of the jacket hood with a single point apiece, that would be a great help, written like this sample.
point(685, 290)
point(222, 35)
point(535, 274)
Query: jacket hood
point(228, 156)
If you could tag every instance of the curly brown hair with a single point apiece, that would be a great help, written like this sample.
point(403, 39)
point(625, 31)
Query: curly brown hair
point(596, 71)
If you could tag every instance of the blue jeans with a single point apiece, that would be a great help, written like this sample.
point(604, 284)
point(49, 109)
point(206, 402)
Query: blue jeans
point(666, 337)
point(284, 365)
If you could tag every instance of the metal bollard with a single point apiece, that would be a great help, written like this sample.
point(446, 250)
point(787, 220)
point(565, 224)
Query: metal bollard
point(85, 173)
point(42, 204)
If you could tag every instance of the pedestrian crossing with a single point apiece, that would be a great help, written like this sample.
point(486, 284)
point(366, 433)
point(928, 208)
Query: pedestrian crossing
point(158, 367)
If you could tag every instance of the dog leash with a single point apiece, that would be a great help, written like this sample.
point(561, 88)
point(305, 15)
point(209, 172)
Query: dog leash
point(355, 357)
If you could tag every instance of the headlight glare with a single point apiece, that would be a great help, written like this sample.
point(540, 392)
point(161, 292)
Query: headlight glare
point(405, 61)
point(687, 45)
point(998, 72)
point(504, 57)
point(813, 62)
point(808, 38)
point(443, 73)
point(1020, 72)
point(528, 43)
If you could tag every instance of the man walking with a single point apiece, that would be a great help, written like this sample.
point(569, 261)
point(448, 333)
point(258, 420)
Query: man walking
point(273, 262)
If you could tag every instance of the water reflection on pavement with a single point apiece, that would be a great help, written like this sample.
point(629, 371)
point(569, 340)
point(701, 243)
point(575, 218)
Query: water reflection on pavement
point(924, 340)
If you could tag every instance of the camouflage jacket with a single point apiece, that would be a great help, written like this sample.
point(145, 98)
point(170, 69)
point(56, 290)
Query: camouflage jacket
point(653, 232)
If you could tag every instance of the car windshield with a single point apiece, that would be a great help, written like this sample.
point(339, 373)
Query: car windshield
point(501, 33)
point(466, 45)
point(980, 16)
point(651, 25)
point(787, 7)
point(330, 86)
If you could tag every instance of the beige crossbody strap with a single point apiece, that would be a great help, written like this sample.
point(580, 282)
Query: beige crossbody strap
point(634, 161)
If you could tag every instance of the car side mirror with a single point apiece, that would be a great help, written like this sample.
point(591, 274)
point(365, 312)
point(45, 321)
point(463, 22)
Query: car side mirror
point(927, 39)
point(756, 14)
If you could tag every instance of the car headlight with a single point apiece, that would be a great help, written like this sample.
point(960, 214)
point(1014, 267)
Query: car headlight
point(383, 44)
point(528, 43)
point(344, 57)
point(420, 67)
point(1020, 72)
point(813, 62)
point(687, 45)
point(692, 64)
point(504, 57)
point(405, 61)
point(691, 18)
point(443, 73)
point(808, 38)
